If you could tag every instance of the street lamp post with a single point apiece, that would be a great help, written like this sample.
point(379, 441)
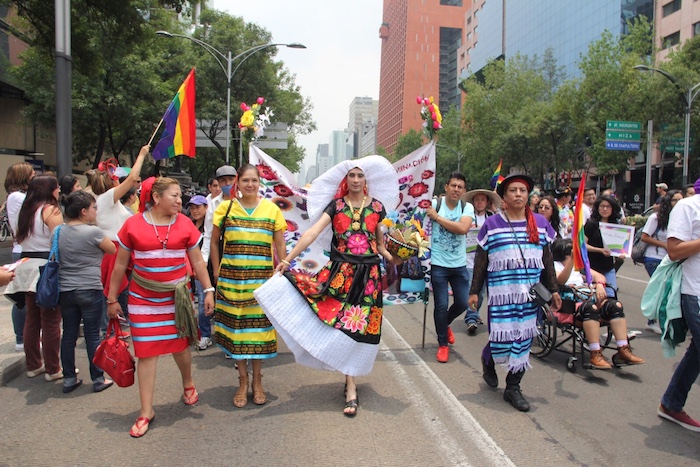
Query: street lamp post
point(689, 96)
point(219, 56)
point(457, 153)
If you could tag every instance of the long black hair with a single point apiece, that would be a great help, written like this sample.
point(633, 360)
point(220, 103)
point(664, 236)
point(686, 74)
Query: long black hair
point(665, 207)
point(554, 220)
point(39, 193)
point(76, 202)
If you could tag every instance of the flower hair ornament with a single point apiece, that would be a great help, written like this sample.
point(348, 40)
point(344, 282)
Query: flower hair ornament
point(110, 167)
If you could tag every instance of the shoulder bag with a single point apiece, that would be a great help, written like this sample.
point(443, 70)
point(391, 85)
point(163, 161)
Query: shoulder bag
point(47, 288)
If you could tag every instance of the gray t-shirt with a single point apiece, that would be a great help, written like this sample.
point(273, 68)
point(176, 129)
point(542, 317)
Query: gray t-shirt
point(80, 257)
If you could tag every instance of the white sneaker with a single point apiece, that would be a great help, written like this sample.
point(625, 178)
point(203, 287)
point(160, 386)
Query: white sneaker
point(654, 328)
point(55, 376)
point(204, 342)
point(19, 347)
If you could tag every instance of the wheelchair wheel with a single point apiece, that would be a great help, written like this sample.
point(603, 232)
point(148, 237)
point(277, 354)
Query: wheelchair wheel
point(544, 342)
point(3, 232)
point(571, 364)
point(608, 337)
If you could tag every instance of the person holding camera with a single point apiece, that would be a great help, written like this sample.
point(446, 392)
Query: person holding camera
point(512, 256)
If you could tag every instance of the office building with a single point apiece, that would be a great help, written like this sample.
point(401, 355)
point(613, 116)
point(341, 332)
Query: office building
point(362, 124)
point(420, 42)
point(676, 22)
point(340, 146)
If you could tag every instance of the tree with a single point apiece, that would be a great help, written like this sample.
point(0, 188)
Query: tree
point(407, 143)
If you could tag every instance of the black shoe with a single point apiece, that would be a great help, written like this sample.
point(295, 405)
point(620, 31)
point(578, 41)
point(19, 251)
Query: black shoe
point(516, 399)
point(71, 388)
point(471, 329)
point(489, 374)
point(102, 385)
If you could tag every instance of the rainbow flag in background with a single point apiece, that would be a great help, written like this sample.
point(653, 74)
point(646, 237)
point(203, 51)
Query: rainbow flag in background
point(497, 178)
point(579, 250)
point(179, 136)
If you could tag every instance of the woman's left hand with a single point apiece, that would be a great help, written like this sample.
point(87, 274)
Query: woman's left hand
point(209, 303)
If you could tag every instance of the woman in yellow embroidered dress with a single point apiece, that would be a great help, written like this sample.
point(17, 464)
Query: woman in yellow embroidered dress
point(252, 226)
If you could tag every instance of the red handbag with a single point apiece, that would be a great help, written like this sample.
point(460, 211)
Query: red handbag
point(113, 356)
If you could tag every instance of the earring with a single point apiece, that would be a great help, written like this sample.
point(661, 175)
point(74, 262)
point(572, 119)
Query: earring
point(239, 194)
point(364, 190)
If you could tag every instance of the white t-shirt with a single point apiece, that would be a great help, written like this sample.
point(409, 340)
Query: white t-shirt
point(477, 222)
point(653, 251)
point(13, 205)
point(209, 225)
point(111, 215)
point(575, 278)
point(684, 225)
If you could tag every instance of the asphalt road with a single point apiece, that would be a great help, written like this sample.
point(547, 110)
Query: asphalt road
point(413, 411)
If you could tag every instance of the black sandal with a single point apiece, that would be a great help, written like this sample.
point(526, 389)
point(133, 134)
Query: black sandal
point(351, 404)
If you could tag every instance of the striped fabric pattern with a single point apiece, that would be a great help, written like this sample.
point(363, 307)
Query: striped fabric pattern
point(152, 314)
point(512, 314)
point(242, 330)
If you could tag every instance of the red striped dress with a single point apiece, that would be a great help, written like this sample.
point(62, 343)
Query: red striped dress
point(152, 314)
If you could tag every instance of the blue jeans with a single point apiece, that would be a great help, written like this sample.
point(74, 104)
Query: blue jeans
point(123, 299)
point(203, 320)
point(650, 264)
point(459, 279)
point(18, 314)
point(77, 305)
point(473, 315)
point(689, 367)
point(611, 280)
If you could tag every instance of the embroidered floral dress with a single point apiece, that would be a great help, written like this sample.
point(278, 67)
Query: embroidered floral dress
point(346, 293)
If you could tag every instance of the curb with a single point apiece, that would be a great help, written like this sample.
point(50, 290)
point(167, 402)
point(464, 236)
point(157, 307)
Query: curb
point(11, 367)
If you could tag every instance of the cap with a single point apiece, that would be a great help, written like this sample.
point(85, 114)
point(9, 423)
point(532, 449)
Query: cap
point(225, 171)
point(560, 193)
point(528, 181)
point(198, 200)
point(663, 186)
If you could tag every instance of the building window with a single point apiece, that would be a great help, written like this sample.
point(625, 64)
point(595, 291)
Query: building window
point(671, 40)
point(469, 36)
point(451, 2)
point(671, 7)
point(469, 20)
point(696, 29)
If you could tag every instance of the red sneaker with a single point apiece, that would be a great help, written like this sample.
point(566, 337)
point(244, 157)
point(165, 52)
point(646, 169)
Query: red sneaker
point(681, 418)
point(450, 336)
point(443, 354)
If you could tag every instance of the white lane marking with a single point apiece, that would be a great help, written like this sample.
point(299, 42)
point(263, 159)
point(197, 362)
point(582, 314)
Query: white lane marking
point(633, 279)
point(439, 392)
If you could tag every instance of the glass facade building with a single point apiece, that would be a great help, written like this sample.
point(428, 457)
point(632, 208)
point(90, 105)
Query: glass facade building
point(510, 27)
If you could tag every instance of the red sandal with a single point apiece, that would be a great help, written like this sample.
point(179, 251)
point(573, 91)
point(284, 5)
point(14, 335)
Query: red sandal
point(146, 423)
point(193, 396)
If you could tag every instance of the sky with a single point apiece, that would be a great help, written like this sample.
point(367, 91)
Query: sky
point(341, 60)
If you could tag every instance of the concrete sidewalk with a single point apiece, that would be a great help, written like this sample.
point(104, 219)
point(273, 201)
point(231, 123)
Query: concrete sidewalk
point(12, 363)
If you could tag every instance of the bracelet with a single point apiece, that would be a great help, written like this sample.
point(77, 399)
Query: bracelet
point(286, 262)
point(436, 218)
point(111, 302)
point(209, 289)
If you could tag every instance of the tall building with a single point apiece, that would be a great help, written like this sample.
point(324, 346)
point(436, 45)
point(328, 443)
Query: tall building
point(504, 28)
point(323, 160)
point(362, 124)
point(340, 146)
point(676, 22)
point(420, 42)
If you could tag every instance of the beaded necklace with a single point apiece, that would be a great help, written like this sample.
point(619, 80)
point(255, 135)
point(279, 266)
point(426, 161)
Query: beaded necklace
point(155, 229)
point(356, 214)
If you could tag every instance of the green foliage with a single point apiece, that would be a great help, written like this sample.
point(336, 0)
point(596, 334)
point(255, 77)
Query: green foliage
point(124, 76)
point(407, 143)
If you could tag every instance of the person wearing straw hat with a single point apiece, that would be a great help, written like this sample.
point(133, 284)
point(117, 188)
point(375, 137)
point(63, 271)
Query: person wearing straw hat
point(513, 255)
point(482, 200)
point(332, 320)
point(448, 259)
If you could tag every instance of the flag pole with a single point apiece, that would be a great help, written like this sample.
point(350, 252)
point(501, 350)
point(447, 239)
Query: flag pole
point(156, 131)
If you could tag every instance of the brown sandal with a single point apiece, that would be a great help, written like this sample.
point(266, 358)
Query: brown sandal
point(259, 397)
point(240, 400)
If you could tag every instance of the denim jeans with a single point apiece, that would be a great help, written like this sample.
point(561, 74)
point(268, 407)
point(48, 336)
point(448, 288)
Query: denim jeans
point(689, 367)
point(650, 264)
point(203, 321)
point(459, 279)
point(77, 305)
point(18, 314)
point(473, 315)
point(123, 300)
point(611, 280)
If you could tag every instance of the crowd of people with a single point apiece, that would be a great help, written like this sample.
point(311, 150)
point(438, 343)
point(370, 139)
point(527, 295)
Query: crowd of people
point(127, 252)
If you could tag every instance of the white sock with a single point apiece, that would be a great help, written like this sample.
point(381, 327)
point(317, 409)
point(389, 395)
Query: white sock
point(621, 343)
point(594, 346)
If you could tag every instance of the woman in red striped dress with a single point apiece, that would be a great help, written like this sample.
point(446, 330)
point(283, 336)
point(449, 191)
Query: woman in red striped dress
point(160, 238)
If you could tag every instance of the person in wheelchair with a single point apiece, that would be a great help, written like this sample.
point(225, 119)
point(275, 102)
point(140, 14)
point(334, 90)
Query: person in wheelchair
point(590, 306)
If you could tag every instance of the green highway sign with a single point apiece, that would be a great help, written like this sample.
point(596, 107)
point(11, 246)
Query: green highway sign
point(622, 125)
point(622, 135)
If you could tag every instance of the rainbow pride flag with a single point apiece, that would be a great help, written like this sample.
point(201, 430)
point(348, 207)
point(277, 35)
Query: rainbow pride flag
point(179, 136)
point(579, 250)
point(497, 178)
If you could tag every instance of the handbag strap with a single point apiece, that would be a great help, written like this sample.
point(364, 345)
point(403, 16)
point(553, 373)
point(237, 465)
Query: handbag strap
point(53, 254)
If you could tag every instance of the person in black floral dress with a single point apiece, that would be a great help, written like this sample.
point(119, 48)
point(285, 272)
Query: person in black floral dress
point(346, 294)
